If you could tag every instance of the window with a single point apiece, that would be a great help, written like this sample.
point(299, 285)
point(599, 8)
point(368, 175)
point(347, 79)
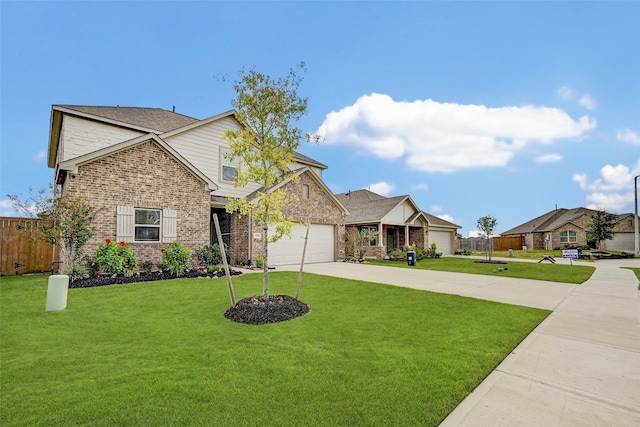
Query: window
point(371, 230)
point(305, 191)
point(568, 237)
point(147, 225)
point(229, 169)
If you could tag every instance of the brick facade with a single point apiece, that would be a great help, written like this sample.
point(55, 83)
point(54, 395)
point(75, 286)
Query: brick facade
point(319, 208)
point(143, 176)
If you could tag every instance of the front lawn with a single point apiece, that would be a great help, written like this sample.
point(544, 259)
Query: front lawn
point(161, 353)
point(523, 270)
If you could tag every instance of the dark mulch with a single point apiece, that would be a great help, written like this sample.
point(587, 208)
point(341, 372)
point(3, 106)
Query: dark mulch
point(141, 277)
point(255, 311)
point(485, 261)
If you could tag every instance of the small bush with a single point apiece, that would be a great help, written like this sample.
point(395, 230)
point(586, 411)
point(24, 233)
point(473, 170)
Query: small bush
point(147, 265)
point(75, 273)
point(115, 258)
point(176, 258)
point(259, 261)
point(397, 254)
point(210, 255)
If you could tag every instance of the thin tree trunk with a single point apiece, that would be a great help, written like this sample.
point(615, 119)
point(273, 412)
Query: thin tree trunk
point(304, 251)
point(265, 265)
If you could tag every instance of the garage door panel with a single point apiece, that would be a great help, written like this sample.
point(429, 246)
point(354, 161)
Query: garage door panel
point(320, 247)
point(622, 242)
point(443, 241)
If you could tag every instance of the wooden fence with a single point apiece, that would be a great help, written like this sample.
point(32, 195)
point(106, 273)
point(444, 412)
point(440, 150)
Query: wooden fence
point(499, 243)
point(20, 252)
point(506, 243)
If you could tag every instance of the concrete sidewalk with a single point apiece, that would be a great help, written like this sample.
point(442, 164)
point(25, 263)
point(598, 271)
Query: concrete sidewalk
point(580, 367)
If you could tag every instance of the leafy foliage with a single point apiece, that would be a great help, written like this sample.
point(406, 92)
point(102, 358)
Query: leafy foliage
point(115, 258)
point(363, 239)
point(73, 217)
point(600, 227)
point(487, 224)
point(210, 255)
point(176, 258)
point(264, 148)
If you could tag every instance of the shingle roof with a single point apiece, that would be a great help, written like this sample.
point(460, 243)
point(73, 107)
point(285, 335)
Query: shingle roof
point(549, 221)
point(366, 206)
point(155, 119)
point(434, 220)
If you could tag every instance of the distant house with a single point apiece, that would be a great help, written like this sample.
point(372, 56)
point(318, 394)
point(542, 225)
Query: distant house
point(397, 221)
point(160, 176)
point(562, 228)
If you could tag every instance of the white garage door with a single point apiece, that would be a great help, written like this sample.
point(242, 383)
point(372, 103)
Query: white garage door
point(442, 239)
point(622, 242)
point(320, 247)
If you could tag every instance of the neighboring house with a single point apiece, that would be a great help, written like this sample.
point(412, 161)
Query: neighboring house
point(397, 221)
point(562, 228)
point(160, 176)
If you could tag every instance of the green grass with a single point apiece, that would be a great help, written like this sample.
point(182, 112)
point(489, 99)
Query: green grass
point(523, 270)
point(161, 353)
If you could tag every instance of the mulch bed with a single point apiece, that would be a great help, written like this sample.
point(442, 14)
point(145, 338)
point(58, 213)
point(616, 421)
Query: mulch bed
point(257, 311)
point(141, 277)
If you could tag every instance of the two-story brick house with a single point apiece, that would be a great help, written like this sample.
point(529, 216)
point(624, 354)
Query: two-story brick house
point(159, 176)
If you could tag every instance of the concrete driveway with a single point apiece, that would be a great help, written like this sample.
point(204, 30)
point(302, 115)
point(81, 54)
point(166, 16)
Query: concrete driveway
point(580, 367)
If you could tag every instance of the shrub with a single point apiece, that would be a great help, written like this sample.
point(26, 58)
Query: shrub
point(115, 258)
point(176, 258)
point(397, 254)
point(147, 266)
point(210, 255)
point(75, 273)
point(259, 261)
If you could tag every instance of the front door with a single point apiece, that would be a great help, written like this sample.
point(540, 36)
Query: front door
point(392, 239)
point(224, 218)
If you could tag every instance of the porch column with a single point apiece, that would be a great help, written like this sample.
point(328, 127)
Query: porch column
point(406, 236)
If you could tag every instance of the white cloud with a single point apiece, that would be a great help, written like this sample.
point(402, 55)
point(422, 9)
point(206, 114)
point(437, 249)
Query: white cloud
point(612, 191)
point(474, 233)
point(548, 158)
point(421, 187)
point(435, 209)
point(382, 188)
point(446, 217)
point(627, 135)
point(40, 155)
point(6, 208)
point(565, 93)
point(587, 102)
point(444, 137)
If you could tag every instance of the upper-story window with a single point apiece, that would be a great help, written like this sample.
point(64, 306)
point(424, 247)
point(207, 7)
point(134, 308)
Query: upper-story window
point(568, 237)
point(305, 191)
point(229, 169)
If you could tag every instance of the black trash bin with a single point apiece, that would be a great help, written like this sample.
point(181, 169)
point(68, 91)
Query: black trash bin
point(411, 258)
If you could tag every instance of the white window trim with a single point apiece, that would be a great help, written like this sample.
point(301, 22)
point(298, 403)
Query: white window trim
point(226, 163)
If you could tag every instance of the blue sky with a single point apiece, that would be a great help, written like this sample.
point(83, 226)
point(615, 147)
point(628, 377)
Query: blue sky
point(506, 109)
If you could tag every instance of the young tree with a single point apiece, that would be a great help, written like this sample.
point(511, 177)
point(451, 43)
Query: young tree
point(264, 149)
point(71, 227)
point(487, 224)
point(601, 226)
point(362, 241)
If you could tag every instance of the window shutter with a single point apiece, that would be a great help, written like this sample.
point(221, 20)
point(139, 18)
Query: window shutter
point(169, 225)
point(125, 224)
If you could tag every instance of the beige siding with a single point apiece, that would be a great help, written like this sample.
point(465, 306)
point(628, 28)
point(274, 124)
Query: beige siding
point(79, 136)
point(201, 147)
point(399, 215)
